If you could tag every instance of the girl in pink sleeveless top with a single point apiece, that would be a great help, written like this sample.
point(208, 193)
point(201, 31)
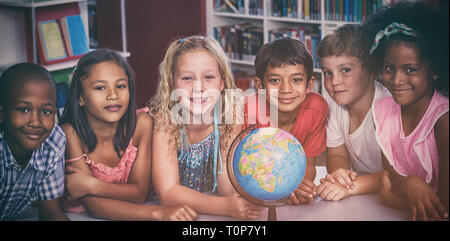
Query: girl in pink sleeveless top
point(117, 174)
point(108, 144)
point(412, 126)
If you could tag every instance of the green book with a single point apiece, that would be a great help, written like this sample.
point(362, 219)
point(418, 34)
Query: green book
point(64, 75)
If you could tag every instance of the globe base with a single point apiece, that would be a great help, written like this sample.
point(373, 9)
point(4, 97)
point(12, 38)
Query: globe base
point(272, 214)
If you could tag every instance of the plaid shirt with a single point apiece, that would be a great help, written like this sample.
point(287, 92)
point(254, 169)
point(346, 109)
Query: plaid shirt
point(42, 178)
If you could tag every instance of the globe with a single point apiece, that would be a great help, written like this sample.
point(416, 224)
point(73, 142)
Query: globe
point(266, 165)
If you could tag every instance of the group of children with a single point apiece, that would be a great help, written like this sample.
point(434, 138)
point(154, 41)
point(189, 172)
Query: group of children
point(383, 122)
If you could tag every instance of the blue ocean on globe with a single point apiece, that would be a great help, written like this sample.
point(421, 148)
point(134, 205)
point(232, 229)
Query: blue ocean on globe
point(269, 163)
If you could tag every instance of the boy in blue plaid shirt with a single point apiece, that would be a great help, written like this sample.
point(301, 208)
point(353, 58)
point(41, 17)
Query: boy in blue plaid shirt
point(31, 145)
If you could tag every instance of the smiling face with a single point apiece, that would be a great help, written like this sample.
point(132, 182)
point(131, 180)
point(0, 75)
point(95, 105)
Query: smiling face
point(197, 74)
point(291, 83)
point(29, 116)
point(405, 76)
point(105, 94)
point(345, 80)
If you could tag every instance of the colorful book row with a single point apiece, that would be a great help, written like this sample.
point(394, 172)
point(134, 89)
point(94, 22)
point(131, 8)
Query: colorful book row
point(240, 41)
point(307, 35)
point(350, 10)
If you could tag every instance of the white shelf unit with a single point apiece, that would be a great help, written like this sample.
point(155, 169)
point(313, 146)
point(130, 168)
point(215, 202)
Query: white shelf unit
point(12, 24)
point(267, 22)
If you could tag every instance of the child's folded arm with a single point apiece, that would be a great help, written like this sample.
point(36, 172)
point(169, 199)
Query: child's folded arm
point(50, 210)
point(136, 188)
point(441, 130)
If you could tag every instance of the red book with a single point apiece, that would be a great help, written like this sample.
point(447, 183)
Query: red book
point(364, 7)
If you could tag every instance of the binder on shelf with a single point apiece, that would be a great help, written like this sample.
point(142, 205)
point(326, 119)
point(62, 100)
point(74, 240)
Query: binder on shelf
point(50, 41)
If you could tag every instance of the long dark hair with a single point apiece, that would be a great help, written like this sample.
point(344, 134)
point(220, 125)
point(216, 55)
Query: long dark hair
point(75, 115)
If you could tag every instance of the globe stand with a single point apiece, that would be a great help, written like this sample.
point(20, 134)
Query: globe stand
point(272, 214)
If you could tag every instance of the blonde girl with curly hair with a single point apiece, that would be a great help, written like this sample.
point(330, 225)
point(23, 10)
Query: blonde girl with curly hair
point(193, 132)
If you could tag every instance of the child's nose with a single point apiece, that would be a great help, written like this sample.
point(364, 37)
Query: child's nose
point(35, 120)
point(335, 80)
point(198, 86)
point(286, 86)
point(398, 78)
point(112, 95)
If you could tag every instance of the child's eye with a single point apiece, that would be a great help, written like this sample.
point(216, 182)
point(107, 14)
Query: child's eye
point(410, 70)
point(122, 86)
point(274, 81)
point(100, 88)
point(345, 70)
point(47, 111)
point(23, 109)
point(388, 68)
point(296, 80)
point(210, 77)
point(186, 78)
point(326, 73)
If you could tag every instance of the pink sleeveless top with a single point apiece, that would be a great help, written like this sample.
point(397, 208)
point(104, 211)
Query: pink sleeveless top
point(415, 154)
point(118, 174)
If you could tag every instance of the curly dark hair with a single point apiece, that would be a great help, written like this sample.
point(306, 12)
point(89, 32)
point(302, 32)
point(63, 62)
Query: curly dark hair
point(431, 27)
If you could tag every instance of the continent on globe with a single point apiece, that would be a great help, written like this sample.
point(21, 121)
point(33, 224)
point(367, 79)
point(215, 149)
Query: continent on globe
point(269, 163)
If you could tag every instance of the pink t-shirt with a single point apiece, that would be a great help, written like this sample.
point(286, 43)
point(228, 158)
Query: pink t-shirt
point(415, 154)
point(118, 174)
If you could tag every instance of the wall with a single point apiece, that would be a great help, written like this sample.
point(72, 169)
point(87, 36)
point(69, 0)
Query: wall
point(151, 26)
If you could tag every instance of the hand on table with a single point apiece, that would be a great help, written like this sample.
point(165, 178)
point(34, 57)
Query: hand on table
point(331, 191)
point(79, 182)
point(242, 209)
point(304, 193)
point(177, 213)
point(345, 177)
point(424, 202)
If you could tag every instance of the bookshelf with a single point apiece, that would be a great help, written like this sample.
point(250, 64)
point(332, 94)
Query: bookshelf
point(18, 41)
point(275, 20)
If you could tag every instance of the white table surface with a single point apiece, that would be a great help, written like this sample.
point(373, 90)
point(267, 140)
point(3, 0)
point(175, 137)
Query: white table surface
point(354, 208)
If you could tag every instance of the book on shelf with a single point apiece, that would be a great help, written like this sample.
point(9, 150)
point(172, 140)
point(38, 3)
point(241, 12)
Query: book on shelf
point(240, 41)
point(351, 10)
point(302, 9)
point(256, 7)
point(74, 35)
point(92, 20)
point(229, 6)
point(50, 41)
point(308, 35)
point(284, 8)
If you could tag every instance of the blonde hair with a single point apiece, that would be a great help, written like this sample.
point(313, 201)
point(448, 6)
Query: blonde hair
point(160, 104)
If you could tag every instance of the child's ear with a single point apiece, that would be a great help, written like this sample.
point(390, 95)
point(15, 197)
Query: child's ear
point(222, 85)
point(310, 84)
point(259, 83)
point(81, 101)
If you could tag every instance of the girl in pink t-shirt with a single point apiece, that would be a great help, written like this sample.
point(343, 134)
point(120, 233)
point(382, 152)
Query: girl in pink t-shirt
point(108, 146)
point(412, 126)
